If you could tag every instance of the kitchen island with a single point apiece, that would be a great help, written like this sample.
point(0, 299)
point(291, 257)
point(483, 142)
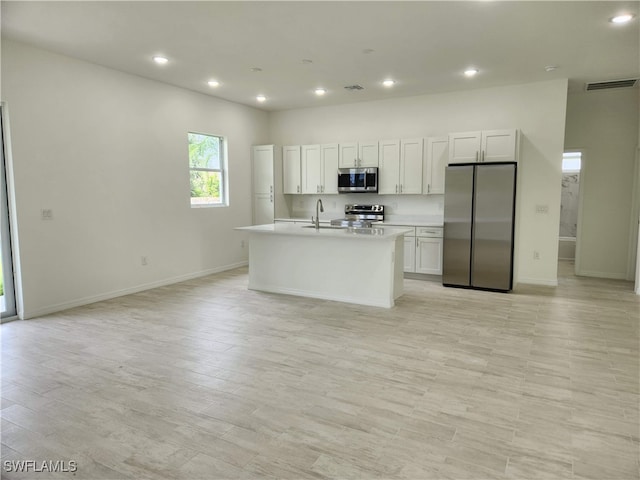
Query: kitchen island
point(354, 265)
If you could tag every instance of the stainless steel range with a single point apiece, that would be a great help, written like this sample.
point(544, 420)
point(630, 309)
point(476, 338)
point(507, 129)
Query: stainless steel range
point(361, 216)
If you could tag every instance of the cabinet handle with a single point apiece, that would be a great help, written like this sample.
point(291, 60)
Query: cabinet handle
point(477, 156)
point(428, 188)
point(298, 188)
point(400, 188)
point(271, 198)
point(270, 188)
point(483, 155)
point(321, 188)
point(396, 188)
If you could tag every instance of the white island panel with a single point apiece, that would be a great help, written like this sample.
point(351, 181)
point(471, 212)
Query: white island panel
point(355, 266)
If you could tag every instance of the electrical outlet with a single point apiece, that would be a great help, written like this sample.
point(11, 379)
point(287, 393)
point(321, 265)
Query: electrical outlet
point(144, 261)
point(46, 214)
point(542, 208)
point(536, 255)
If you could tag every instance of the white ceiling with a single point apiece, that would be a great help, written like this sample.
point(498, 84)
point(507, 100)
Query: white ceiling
point(424, 45)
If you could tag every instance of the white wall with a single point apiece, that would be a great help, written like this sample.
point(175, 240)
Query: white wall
point(604, 124)
point(107, 152)
point(537, 109)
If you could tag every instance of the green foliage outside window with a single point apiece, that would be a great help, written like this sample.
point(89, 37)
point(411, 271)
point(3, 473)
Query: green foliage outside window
point(206, 174)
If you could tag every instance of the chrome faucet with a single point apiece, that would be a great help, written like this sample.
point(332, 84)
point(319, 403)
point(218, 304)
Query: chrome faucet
point(316, 221)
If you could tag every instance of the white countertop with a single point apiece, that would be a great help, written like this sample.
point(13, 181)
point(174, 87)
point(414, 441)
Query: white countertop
point(347, 233)
point(414, 220)
point(401, 220)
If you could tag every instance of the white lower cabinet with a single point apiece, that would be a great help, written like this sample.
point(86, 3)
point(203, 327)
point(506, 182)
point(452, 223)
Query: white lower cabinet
point(429, 255)
point(422, 250)
point(410, 252)
point(429, 250)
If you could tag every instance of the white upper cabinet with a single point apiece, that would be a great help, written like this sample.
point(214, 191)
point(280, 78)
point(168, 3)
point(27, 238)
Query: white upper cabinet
point(263, 169)
point(311, 169)
point(389, 167)
point(348, 155)
point(485, 146)
point(362, 154)
point(464, 147)
point(400, 166)
point(411, 165)
point(291, 178)
point(329, 163)
point(368, 154)
point(499, 145)
point(436, 154)
point(319, 168)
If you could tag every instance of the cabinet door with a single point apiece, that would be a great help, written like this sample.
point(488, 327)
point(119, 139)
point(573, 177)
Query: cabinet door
point(411, 165)
point(310, 168)
point(409, 254)
point(329, 161)
point(348, 157)
point(499, 145)
point(262, 208)
point(389, 167)
point(429, 256)
point(464, 147)
point(368, 154)
point(291, 169)
point(263, 184)
point(263, 169)
point(435, 163)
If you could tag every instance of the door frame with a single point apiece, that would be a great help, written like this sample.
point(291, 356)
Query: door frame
point(7, 171)
point(577, 268)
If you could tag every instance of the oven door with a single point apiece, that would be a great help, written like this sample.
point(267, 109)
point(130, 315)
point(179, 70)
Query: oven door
point(357, 180)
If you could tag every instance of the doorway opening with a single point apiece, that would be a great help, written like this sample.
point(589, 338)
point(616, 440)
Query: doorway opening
point(569, 212)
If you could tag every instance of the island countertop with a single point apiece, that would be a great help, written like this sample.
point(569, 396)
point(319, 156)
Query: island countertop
point(307, 230)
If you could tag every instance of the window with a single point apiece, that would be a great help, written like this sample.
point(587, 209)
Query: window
point(207, 165)
point(571, 161)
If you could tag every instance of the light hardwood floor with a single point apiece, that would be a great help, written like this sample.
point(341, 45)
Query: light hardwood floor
point(206, 379)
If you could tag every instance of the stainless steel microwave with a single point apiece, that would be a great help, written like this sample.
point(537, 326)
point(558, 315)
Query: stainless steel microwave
point(352, 180)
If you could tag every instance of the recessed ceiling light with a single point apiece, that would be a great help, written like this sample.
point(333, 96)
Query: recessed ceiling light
point(627, 17)
point(213, 83)
point(470, 72)
point(261, 98)
point(389, 82)
point(159, 59)
point(320, 91)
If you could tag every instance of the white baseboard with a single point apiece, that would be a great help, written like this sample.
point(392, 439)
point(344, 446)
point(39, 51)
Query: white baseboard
point(127, 291)
point(611, 275)
point(539, 281)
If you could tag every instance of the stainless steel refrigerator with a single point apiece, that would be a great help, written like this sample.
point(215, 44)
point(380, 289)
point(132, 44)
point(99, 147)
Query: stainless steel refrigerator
point(479, 217)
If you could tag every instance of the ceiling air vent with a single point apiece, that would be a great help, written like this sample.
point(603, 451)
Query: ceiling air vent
point(353, 88)
point(631, 82)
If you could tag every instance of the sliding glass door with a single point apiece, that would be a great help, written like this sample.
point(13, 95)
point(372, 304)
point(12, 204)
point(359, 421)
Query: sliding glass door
point(7, 292)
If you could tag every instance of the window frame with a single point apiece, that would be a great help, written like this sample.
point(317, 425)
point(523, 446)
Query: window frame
point(222, 171)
